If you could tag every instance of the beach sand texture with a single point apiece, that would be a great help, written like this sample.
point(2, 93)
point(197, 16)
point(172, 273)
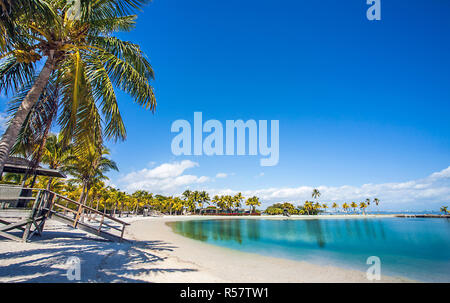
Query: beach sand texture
point(154, 254)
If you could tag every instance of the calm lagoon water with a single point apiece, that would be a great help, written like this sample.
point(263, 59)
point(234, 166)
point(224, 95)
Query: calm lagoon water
point(410, 247)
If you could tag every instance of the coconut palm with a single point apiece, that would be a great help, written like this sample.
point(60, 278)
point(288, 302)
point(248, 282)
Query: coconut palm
point(363, 207)
point(238, 200)
point(376, 201)
point(315, 194)
point(345, 207)
point(84, 58)
point(444, 209)
point(354, 206)
point(229, 202)
point(335, 206)
point(222, 203)
point(139, 197)
point(89, 163)
point(253, 202)
point(56, 155)
point(325, 206)
point(187, 194)
point(203, 198)
point(13, 11)
point(308, 206)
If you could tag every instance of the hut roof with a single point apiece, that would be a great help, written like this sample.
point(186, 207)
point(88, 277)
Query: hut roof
point(19, 165)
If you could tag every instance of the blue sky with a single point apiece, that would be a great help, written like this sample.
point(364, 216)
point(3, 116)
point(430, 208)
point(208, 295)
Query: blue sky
point(363, 105)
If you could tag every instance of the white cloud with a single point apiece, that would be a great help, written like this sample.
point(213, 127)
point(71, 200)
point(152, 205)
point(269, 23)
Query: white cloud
point(170, 179)
point(418, 194)
point(221, 175)
point(167, 178)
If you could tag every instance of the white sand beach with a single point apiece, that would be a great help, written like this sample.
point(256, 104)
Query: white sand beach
point(155, 254)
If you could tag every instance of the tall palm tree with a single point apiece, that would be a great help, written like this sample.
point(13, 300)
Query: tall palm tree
point(222, 203)
point(139, 197)
point(89, 163)
point(56, 155)
point(253, 202)
point(376, 201)
point(315, 193)
point(238, 200)
point(335, 206)
point(229, 202)
point(345, 207)
point(203, 199)
point(367, 202)
point(308, 206)
point(354, 206)
point(83, 57)
point(363, 207)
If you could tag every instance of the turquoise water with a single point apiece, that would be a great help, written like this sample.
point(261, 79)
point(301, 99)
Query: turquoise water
point(410, 247)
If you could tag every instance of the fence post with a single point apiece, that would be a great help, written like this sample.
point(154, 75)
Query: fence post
point(31, 217)
point(78, 215)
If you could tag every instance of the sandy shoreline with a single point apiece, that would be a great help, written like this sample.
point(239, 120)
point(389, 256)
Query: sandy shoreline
point(156, 254)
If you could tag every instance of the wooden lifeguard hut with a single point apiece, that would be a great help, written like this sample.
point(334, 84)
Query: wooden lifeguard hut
point(23, 211)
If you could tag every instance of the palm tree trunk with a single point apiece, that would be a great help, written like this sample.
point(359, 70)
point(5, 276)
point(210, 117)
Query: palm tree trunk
point(11, 133)
point(136, 209)
point(49, 183)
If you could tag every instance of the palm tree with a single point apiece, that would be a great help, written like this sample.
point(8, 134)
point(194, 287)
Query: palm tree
point(335, 206)
point(187, 194)
point(444, 209)
point(88, 164)
point(363, 206)
point(376, 201)
point(315, 194)
point(354, 206)
point(308, 206)
point(229, 202)
point(222, 203)
point(325, 206)
point(139, 196)
point(253, 202)
point(82, 58)
point(345, 207)
point(56, 155)
point(367, 202)
point(238, 200)
point(203, 197)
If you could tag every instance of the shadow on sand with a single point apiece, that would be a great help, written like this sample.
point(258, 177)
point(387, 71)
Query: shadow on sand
point(44, 259)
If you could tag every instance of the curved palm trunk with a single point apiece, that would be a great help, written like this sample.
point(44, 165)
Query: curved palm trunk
point(11, 133)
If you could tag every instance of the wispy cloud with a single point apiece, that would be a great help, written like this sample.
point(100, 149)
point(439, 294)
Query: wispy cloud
point(221, 175)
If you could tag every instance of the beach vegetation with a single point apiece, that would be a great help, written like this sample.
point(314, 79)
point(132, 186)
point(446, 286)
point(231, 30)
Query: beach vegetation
point(46, 54)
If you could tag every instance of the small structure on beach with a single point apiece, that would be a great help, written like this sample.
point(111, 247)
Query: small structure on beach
point(37, 205)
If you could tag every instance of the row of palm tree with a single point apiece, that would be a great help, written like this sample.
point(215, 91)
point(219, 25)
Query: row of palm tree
point(87, 166)
point(223, 202)
point(314, 208)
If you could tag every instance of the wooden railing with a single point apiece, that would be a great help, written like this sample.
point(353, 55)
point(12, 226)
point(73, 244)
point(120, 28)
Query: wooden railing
point(83, 213)
point(48, 204)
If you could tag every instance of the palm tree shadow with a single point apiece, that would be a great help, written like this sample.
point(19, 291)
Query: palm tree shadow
point(100, 260)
